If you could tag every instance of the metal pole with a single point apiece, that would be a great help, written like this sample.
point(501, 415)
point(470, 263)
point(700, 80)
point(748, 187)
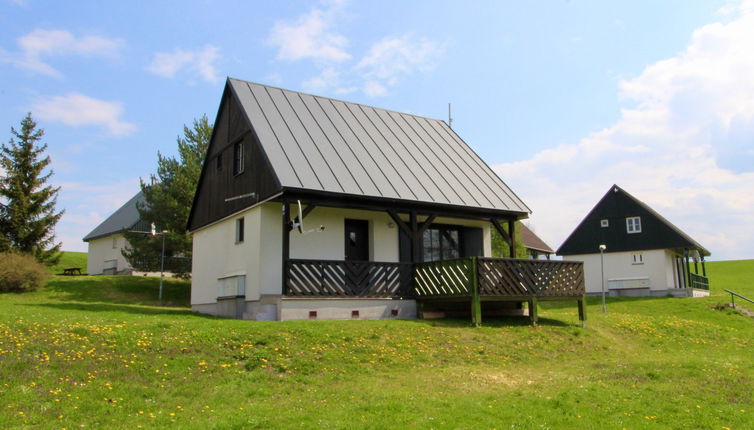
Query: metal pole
point(602, 270)
point(162, 265)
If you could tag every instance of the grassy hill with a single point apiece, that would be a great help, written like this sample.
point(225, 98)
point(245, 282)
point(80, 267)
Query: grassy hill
point(100, 352)
point(70, 259)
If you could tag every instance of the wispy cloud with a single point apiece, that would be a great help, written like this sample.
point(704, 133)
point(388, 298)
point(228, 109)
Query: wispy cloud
point(310, 36)
point(192, 63)
point(314, 36)
point(76, 109)
point(35, 47)
point(682, 147)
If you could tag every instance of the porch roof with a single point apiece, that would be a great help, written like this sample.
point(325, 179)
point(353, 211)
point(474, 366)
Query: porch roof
point(336, 147)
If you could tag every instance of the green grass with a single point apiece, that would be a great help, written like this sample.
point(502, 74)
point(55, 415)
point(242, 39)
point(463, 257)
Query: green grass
point(736, 276)
point(99, 352)
point(70, 259)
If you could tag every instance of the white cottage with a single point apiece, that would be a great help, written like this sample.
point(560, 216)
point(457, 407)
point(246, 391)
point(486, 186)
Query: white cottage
point(644, 254)
point(106, 241)
point(309, 207)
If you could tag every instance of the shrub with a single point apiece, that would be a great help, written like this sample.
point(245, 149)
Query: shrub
point(20, 273)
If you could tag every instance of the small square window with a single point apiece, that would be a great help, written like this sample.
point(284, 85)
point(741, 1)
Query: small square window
point(239, 230)
point(633, 224)
point(604, 223)
point(219, 161)
point(637, 258)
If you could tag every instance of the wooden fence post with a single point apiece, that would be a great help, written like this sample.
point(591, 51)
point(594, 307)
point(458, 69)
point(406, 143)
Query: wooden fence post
point(476, 302)
point(582, 311)
point(533, 310)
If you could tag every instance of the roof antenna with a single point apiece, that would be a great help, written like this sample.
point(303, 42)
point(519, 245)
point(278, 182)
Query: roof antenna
point(450, 118)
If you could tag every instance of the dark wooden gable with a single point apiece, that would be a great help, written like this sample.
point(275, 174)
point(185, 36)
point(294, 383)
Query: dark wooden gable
point(615, 207)
point(218, 181)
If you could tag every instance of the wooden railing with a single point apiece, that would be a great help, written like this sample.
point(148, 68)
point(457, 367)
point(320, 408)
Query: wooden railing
point(539, 278)
point(332, 278)
point(445, 278)
point(461, 277)
point(698, 281)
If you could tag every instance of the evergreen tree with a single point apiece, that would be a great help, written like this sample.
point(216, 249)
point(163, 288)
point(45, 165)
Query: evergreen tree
point(168, 198)
point(500, 247)
point(28, 213)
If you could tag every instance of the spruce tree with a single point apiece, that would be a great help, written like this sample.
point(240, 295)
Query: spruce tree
point(28, 214)
point(167, 202)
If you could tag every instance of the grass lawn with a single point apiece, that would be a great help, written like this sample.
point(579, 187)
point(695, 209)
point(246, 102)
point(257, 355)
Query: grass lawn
point(100, 352)
point(70, 259)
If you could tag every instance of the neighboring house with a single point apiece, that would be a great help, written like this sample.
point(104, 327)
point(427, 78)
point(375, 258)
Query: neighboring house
point(310, 207)
point(645, 254)
point(535, 247)
point(106, 241)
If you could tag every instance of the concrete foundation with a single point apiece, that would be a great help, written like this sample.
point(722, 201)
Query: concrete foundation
point(646, 292)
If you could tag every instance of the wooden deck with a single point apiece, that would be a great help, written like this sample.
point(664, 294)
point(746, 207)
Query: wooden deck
point(472, 279)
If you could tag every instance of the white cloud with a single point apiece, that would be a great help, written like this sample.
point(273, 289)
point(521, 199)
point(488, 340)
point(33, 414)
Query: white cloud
point(40, 44)
point(310, 36)
point(76, 109)
point(683, 147)
point(199, 62)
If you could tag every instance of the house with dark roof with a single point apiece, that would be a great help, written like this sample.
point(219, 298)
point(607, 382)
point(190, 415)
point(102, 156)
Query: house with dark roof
point(535, 247)
point(644, 253)
point(106, 241)
point(309, 207)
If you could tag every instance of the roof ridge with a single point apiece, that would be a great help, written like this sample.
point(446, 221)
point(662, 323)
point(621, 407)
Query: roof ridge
point(337, 100)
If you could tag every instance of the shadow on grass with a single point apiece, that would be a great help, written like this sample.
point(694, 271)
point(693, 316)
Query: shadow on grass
point(131, 309)
point(120, 289)
point(497, 321)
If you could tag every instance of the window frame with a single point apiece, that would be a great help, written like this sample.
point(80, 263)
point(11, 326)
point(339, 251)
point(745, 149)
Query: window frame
point(444, 236)
point(239, 164)
point(637, 261)
point(240, 224)
point(633, 224)
point(604, 223)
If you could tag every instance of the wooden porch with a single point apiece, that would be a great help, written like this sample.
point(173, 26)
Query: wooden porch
point(471, 279)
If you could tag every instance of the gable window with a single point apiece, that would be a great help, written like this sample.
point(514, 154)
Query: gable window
point(219, 161)
point(604, 223)
point(637, 258)
point(238, 158)
point(633, 224)
point(239, 230)
point(441, 243)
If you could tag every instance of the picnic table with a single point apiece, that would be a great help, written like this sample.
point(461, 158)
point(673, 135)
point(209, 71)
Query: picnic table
point(72, 271)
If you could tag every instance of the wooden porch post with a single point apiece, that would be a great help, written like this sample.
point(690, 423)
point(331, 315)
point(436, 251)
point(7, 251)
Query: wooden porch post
point(286, 221)
point(704, 271)
point(413, 224)
point(512, 234)
point(582, 311)
point(476, 300)
point(533, 310)
point(688, 269)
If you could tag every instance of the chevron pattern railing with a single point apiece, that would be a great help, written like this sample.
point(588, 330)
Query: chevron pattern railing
point(329, 278)
point(540, 278)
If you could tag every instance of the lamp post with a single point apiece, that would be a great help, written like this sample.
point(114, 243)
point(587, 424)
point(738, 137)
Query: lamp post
point(602, 271)
point(162, 257)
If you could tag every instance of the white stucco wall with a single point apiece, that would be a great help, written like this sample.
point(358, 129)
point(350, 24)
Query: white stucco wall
point(215, 255)
point(658, 267)
point(101, 250)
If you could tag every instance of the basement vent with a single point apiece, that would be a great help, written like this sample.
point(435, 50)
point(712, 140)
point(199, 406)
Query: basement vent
point(355, 314)
point(394, 312)
point(312, 315)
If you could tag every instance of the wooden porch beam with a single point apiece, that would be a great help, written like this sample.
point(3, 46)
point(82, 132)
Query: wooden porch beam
point(512, 234)
point(500, 230)
point(399, 222)
point(424, 225)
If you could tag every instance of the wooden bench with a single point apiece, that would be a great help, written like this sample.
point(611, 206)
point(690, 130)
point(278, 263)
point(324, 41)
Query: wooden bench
point(72, 271)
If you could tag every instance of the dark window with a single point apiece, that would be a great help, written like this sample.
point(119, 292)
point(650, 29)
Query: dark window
point(239, 230)
point(441, 243)
point(238, 158)
point(219, 161)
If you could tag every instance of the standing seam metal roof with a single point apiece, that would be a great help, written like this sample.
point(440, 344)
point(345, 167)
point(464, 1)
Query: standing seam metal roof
point(319, 143)
point(122, 219)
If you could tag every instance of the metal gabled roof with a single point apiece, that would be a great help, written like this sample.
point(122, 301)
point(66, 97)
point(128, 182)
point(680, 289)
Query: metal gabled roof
point(122, 219)
point(323, 144)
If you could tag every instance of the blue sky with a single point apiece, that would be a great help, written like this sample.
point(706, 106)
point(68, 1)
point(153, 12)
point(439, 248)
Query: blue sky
point(563, 98)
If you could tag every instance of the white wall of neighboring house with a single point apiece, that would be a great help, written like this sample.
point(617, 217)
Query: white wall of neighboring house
point(105, 253)
point(216, 256)
point(655, 271)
